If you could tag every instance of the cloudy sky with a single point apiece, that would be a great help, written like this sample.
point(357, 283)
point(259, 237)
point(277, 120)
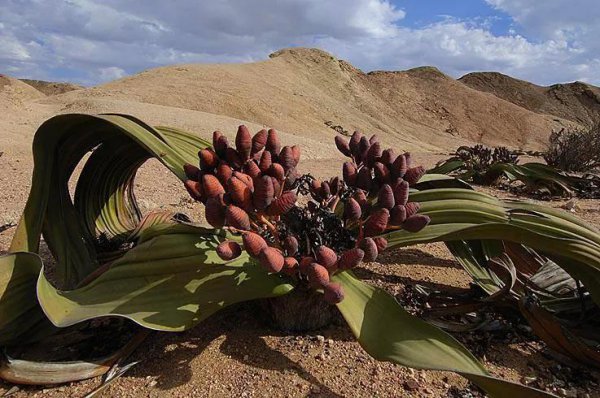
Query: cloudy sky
point(92, 41)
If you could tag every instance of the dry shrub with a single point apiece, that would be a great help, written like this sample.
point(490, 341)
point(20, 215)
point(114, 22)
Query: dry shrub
point(574, 150)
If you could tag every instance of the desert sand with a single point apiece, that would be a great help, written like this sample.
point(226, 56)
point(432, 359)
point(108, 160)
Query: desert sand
point(297, 91)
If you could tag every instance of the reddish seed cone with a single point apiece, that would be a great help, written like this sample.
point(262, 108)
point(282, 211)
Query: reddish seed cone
point(349, 173)
point(335, 185)
point(352, 210)
point(237, 218)
point(408, 158)
point(399, 167)
point(195, 190)
point(263, 192)
point(374, 154)
point(388, 156)
point(253, 243)
point(245, 178)
point(212, 186)
point(374, 138)
point(228, 250)
point(258, 141)
point(401, 192)
point(290, 244)
point(273, 143)
point(282, 204)
point(286, 158)
point(315, 185)
point(333, 293)
point(220, 144)
point(305, 263)
point(318, 276)
point(290, 266)
point(223, 172)
point(240, 193)
point(290, 178)
point(382, 174)
point(351, 258)
point(252, 169)
point(208, 159)
point(370, 249)
point(354, 143)
point(398, 215)
point(325, 190)
point(363, 148)
point(416, 222)
point(191, 172)
point(363, 181)
point(361, 198)
point(265, 161)
point(271, 259)
point(326, 257)
point(216, 135)
point(243, 142)
point(342, 145)
point(412, 208)
point(385, 197)
point(277, 171)
point(233, 158)
point(381, 243)
point(414, 174)
point(296, 152)
point(276, 186)
point(215, 212)
point(377, 222)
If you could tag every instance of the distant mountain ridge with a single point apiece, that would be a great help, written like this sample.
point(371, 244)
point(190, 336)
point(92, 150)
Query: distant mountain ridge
point(299, 90)
point(52, 88)
point(578, 101)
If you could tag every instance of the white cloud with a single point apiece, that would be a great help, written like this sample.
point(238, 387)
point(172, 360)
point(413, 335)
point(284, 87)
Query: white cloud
point(111, 73)
point(93, 41)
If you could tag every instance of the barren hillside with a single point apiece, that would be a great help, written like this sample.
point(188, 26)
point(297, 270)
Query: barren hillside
point(578, 102)
point(15, 94)
point(298, 90)
point(52, 88)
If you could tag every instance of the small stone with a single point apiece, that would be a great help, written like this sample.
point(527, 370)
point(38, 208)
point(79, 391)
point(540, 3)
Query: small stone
point(320, 339)
point(152, 383)
point(411, 385)
point(315, 389)
point(571, 206)
point(246, 357)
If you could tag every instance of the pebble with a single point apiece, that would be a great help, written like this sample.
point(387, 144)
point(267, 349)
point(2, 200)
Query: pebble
point(411, 385)
point(320, 339)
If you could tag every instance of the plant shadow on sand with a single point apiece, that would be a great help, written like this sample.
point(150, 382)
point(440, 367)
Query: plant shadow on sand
point(168, 356)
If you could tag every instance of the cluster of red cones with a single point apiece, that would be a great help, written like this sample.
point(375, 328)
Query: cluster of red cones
point(251, 188)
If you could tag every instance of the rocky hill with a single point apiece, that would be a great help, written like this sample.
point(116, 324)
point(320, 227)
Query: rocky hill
point(298, 90)
point(52, 88)
point(578, 102)
point(307, 92)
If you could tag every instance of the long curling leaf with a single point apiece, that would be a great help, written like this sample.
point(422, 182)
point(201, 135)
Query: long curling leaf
point(389, 333)
point(169, 282)
point(572, 245)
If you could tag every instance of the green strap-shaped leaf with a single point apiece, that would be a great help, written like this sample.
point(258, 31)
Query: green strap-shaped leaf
point(389, 333)
point(19, 309)
point(104, 198)
point(170, 282)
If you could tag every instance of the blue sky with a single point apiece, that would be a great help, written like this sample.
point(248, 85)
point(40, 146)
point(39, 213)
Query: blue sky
point(93, 41)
